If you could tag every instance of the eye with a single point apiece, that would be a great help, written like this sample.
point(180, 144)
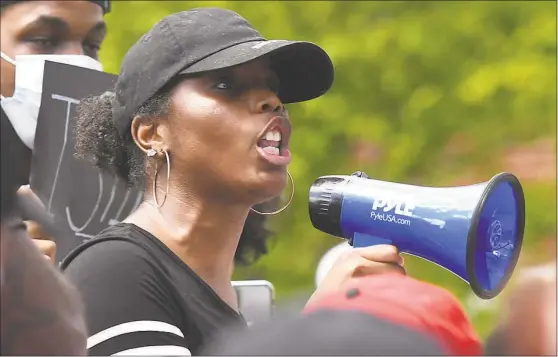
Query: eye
point(224, 84)
point(44, 44)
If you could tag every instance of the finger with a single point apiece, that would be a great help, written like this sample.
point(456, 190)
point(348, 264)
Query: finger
point(35, 231)
point(27, 192)
point(46, 247)
point(367, 267)
point(24, 190)
point(380, 253)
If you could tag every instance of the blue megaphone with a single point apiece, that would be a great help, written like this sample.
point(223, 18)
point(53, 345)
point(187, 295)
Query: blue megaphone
point(474, 231)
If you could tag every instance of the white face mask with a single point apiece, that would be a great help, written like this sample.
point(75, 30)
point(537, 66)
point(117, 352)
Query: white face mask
point(22, 108)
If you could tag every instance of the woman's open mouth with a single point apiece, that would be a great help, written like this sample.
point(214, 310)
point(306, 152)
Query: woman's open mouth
point(271, 143)
point(273, 148)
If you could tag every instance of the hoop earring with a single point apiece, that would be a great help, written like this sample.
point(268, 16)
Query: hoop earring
point(152, 153)
point(282, 208)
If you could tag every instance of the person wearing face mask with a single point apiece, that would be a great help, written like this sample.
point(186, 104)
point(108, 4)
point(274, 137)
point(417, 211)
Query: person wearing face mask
point(33, 32)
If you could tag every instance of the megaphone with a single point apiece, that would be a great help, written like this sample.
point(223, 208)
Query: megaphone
point(475, 232)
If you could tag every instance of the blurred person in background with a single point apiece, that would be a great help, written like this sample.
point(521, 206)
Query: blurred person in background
point(40, 312)
point(70, 32)
point(528, 325)
point(197, 121)
point(376, 315)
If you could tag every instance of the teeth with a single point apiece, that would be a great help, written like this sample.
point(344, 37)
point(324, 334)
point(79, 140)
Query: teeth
point(273, 135)
point(271, 150)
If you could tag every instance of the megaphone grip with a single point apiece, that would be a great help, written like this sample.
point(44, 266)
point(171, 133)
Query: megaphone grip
point(361, 240)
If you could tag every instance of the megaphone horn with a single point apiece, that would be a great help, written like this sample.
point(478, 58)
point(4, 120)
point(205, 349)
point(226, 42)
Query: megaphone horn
point(476, 231)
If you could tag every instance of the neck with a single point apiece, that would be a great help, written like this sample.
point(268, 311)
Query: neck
point(204, 234)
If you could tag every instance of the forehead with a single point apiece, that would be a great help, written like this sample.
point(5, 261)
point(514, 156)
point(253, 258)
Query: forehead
point(77, 15)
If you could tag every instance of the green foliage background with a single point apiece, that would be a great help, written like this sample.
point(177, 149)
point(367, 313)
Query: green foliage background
point(432, 93)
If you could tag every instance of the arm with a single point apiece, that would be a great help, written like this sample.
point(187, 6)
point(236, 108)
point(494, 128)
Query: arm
point(129, 309)
point(41, 313)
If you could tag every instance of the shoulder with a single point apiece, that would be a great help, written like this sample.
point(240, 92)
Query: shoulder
point(117, 246)
point(118, 260)
point(117, 271)
point(131, 305)
point(112, 267)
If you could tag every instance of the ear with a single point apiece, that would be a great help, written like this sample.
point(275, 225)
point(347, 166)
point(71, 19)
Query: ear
point(149, 134)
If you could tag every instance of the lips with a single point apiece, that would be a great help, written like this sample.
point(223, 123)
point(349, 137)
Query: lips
point(273, 143)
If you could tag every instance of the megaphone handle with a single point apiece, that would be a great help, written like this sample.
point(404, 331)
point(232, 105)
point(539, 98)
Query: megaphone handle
point(365, 240)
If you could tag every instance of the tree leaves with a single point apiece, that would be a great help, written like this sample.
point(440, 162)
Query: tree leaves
point(431, 93)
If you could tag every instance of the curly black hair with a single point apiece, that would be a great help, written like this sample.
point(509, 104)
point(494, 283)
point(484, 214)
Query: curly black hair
point(98, 141)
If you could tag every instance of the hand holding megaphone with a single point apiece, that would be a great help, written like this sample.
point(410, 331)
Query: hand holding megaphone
point(359, 262)
point(476, 231)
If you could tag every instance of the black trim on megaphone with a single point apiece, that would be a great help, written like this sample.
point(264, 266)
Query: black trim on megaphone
point(472, 235)
point(324, 204)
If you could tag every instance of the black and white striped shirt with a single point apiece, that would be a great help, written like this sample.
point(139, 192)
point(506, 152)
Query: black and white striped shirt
point(141, 299)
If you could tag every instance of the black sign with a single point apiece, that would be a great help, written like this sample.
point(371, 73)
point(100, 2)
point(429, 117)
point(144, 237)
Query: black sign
point(82, 200)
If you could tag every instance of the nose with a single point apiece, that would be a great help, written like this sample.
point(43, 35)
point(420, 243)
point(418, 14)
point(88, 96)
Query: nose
point(268, 102)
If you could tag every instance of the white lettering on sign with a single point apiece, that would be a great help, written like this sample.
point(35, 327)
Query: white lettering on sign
point(70, 101)
point(79, 230)
point(399, 207)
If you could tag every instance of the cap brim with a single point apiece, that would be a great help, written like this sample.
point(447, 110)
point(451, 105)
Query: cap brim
point(304, 69)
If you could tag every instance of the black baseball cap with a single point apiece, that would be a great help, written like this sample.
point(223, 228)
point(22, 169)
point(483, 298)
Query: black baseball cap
point(207, 39)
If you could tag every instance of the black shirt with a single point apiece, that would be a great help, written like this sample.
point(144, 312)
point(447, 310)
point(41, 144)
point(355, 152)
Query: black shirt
point(141, 299)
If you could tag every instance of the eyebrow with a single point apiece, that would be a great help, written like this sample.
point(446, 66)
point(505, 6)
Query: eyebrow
point(47, 21)
point(60, 25)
